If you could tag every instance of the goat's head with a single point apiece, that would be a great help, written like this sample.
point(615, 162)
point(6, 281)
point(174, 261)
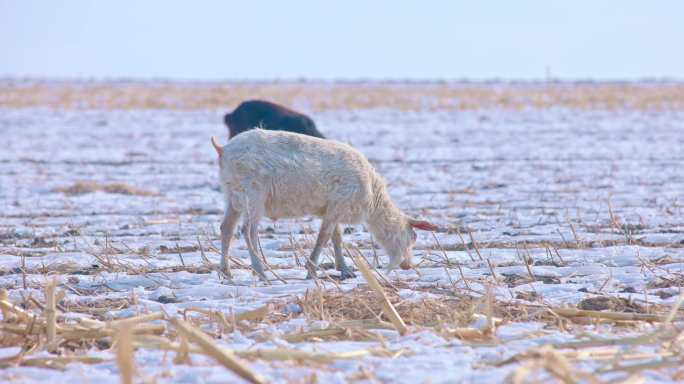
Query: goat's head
point(400, 247)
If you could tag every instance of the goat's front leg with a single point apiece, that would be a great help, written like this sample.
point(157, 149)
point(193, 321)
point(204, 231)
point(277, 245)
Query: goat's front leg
point(345, 272)
point(230, 219)
point(323, 238)
point(251, 238)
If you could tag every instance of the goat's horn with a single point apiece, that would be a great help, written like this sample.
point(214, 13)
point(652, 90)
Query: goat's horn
point(424, 225)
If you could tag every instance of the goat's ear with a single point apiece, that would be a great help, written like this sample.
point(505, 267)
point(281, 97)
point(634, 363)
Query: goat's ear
point(218, 148)
point(424, 225)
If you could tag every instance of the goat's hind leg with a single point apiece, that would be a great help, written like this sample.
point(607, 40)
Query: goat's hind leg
point(230, 219)
point(340, 264)
point(254, 212)
point(251, 238)
point(323, 237)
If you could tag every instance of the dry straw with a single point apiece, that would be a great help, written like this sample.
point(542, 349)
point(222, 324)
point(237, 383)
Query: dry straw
point(124, 353)
point(224, 356)
point(351, 315)
point(389, 309)
point(83, 187)
point(4, 299)
point(323, 96)
point(51, 315)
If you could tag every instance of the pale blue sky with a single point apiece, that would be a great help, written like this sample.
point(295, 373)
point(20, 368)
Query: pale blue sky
point(343, 39)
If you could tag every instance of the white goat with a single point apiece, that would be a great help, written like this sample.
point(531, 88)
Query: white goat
point(286, 175)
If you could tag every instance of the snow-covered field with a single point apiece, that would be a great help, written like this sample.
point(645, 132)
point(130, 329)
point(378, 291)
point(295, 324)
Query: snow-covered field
point(547, 207)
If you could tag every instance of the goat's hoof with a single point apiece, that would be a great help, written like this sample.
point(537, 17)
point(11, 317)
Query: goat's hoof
point(347, 274)
point(226, 280)
point(225, 274)
point(311, 273)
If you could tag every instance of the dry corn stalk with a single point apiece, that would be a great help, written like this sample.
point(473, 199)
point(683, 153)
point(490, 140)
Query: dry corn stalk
point(302, 336)
point(23, 315)
point(124, 354)
point(616, 316)
point(473, 333)
point(466, 333)
point(183, 353)
point(278, 354)
point(50, 315)
point(4, 297)
point(77, 334)
point(131, 321)
point(71, 332)
point(558, 365)
point(59, 362)
point(255, 314)
point(390, 311)
point(338, 329)
point(21, 329)
point(297, 355)
point(91, 323)
point(224, 356)
point(554, 362)
point(65, 360)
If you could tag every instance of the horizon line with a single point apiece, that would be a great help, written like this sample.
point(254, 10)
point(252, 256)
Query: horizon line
point(346, 80)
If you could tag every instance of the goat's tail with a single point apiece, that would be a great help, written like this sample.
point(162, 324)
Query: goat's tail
point(218, 148)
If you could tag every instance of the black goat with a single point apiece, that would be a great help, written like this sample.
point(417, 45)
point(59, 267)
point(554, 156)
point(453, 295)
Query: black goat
point(258, 113)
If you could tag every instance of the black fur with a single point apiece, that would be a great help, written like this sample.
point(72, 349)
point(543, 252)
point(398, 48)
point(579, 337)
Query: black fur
point(258, 113)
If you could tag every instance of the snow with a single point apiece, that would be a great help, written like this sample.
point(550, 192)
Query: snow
point(521, 181)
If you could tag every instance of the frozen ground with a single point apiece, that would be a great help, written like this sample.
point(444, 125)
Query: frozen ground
point(588, 203)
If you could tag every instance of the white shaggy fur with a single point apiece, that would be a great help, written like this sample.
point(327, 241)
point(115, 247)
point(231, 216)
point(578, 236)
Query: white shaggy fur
point(286, 175)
